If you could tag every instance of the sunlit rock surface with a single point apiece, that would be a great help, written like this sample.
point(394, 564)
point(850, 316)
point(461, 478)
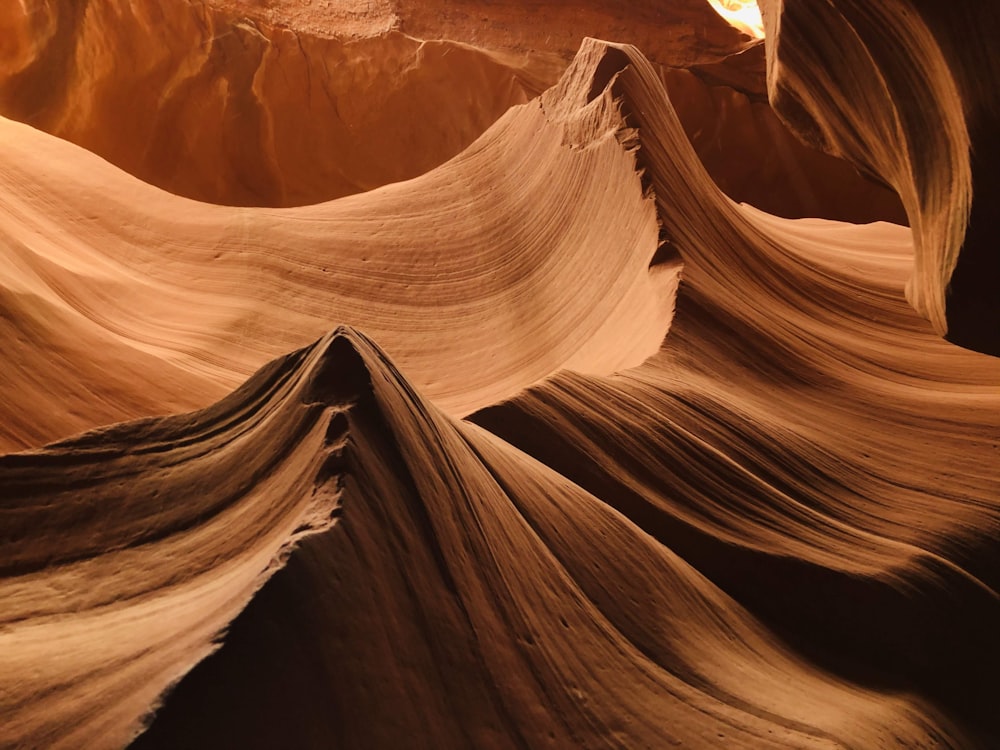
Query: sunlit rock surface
point(539, 435)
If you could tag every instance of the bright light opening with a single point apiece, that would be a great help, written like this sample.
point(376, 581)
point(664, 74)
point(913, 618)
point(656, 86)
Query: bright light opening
point(743, 14)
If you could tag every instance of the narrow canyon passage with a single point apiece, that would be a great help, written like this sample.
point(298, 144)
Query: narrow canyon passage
point(390, 375)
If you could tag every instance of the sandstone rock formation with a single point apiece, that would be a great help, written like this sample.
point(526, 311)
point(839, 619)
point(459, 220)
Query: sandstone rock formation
point(292, 103)
point(553, 445)
point(912, 100)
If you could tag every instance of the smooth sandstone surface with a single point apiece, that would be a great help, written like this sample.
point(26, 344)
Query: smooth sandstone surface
point(291, 103)
point(553, 444)
point(913, 101)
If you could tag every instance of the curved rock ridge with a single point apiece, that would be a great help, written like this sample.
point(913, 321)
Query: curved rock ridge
point(489, 603)
point(906, 90)
point(775, 527)
point(753, 157)
point(186, 299)
point(286, 104)
point(782, 438)
point(218, 105)
point(471, 597)
point(166, 528)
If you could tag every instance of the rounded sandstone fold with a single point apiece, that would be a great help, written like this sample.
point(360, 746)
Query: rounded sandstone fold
point(905, 100)
point(190, 298)
point(775, 527)
point(276, 103)
point(469, 596)
point(803, 438)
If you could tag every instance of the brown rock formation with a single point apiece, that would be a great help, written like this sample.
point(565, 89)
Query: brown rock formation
point(570, 449)
point(736, 541)
point(283, 104)
point(216, 105)
point(202, 295)
point(753, 157)
point(911, 97)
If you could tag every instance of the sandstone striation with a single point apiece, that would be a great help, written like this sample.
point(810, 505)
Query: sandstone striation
point(911, 100)
point(542, 436)
point(287, 104)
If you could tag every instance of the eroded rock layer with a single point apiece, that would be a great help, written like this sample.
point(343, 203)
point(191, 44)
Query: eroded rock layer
point(286, 104)
point(216, 105)
point(773, 527)
point(184, 299)
point(754, 158)
point(907, 90)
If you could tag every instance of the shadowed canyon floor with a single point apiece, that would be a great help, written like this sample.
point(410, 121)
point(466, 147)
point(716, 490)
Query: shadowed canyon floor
point(553, 445)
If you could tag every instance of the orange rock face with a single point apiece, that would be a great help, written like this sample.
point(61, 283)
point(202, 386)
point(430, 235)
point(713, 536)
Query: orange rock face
point(505, 388)
point(914, 102)
point(215, 105)
point(288, 104)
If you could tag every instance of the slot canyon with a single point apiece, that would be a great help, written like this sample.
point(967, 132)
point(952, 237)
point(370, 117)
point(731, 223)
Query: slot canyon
point(499, 374)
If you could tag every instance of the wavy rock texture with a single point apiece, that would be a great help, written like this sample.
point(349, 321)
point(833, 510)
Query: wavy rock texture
point(286, 104)
point(912, 99)
point(529, 515)
point(212, 104)
point(754, 158)
point(202, 295)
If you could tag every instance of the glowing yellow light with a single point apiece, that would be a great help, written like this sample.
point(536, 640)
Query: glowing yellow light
point(743, 14)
